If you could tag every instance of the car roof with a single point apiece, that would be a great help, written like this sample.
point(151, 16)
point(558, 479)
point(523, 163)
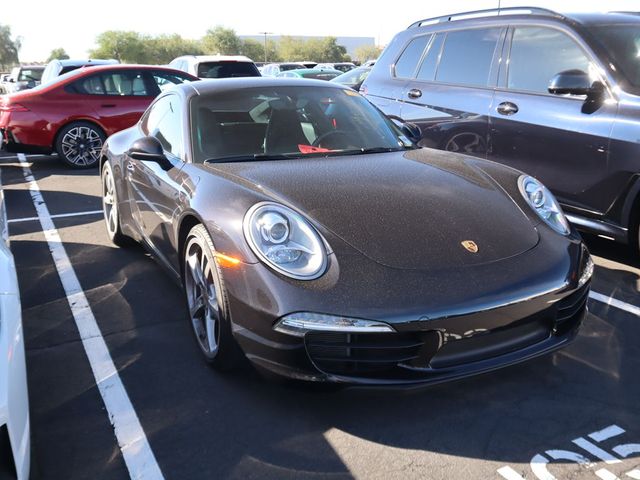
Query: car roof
point(208, 86)
point(509, 13)
point(88, 61)
point(218, 58)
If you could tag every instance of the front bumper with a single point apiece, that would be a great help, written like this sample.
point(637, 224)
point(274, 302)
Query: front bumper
point(447, 325)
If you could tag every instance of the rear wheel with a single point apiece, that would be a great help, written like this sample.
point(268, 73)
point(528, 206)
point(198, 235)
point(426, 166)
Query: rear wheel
point(79, 144)
point(207, 302)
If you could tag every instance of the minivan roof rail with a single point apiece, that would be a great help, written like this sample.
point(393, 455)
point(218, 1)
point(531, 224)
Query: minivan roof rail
point(487, 13)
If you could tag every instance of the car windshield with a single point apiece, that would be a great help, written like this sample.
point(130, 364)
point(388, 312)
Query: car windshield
point(279, 122)
point(623, 44)
point(227, 69)
point(30, 74)
point(352, 77)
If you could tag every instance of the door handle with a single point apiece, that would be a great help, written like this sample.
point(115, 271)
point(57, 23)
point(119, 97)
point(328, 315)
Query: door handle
point(414, 93)
point(131, 167)
point(507, 108)
point(108, 105)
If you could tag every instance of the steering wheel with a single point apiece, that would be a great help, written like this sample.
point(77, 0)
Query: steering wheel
point(329, 134)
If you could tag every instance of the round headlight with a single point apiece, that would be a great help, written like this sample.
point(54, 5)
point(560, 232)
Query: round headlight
point(285, 241)
point(544, 203)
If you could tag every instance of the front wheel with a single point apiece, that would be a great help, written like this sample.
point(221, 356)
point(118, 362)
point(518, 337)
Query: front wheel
point(207, 302)
point(79, 144)
point(110, 207)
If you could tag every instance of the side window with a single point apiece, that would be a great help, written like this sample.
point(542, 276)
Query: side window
point(164, 121)
point(408, 61)
point(165, 80)
point(125, 83)
point(428, 68)
point(538, 54)
point(467, 55)
point(90, 86)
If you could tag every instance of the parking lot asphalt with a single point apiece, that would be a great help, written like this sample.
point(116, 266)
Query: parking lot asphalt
point(572, 414)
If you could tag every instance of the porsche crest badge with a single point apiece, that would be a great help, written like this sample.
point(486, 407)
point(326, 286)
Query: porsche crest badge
point(470, 245)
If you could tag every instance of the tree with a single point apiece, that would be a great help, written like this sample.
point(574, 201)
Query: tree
point(58, 54)
point(223, 41)
point(317, 49)
point(8, 47)
point(164, 48)
point(124, 46)
point(367, 52)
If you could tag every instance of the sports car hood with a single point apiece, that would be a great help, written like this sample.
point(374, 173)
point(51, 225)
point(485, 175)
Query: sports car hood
point(407, 210)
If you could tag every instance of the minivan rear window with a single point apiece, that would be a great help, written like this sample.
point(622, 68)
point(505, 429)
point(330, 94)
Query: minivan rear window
point(467, 56)
point(227, 69)
point(408, 61)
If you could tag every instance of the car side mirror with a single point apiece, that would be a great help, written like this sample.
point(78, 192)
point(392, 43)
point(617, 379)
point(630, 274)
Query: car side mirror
point(572, 82)
point(149, 149)
point(410, 130)
point(12, 80)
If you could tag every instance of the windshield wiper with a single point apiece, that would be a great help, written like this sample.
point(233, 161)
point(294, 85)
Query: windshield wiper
point(366, 151)
point(250, 158)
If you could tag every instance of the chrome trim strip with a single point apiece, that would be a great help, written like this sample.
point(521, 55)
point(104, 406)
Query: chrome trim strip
point(597, 226)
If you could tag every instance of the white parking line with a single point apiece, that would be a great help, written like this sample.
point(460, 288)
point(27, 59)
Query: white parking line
point(627, 307)
point(132, 440)
point(60, 215)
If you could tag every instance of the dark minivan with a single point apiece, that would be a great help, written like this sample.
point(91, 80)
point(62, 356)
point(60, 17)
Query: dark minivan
point(554, 95)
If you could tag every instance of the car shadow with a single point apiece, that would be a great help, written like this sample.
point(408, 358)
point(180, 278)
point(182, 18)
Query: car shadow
point(205, 424)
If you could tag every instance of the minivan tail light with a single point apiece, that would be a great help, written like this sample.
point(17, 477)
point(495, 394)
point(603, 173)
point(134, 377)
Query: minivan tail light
point(13, 107)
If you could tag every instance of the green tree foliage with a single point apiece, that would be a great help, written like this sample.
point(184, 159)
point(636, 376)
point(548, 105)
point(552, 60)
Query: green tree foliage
point(58, 54)
point(253, 49)
point(317, 49)
point(125, 46)
point(8, 47)
point(133, 47)
point(367, 52)
point(163, 49)
point(223, 41)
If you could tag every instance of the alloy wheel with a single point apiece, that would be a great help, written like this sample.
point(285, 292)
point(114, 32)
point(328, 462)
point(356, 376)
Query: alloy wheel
point(81, 146)
point(202, 297)
point(109, 203)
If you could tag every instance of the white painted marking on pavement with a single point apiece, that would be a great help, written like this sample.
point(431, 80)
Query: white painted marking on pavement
point(605, 474)
point(132, 440)
point(627, 307)
point(606, 433)
point(59, 215)
point(635, 474)
point(596, 451)
point(510, 474)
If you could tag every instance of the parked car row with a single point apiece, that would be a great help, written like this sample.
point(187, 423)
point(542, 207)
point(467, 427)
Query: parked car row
point(23, 78)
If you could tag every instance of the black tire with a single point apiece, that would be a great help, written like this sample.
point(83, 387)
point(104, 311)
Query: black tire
point(110, 207)
point(207, 302)
point(79, 144)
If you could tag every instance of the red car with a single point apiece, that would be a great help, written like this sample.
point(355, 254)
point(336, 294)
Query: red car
point(74, 114)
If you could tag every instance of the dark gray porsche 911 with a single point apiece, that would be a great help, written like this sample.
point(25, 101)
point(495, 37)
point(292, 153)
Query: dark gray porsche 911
point(312, 236)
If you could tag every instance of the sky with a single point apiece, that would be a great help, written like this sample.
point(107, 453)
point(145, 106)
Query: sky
point(45, 24)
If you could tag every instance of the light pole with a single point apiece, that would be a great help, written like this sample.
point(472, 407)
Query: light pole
point(265, 44)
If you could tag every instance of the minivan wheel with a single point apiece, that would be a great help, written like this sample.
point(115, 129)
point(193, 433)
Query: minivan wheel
point(207, 302)
point(79, 144)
